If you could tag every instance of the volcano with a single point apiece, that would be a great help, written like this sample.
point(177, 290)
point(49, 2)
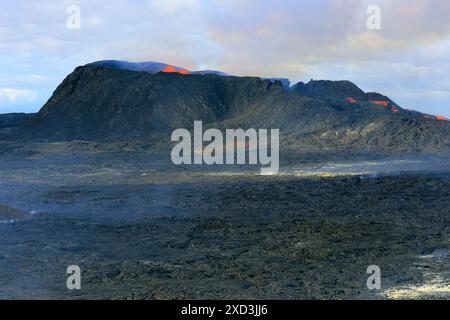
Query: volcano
point(111, 100)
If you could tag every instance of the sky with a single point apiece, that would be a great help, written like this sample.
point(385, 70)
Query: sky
point(407, 58)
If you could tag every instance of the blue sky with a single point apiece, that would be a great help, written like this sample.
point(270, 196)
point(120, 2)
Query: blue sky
point(408, 59)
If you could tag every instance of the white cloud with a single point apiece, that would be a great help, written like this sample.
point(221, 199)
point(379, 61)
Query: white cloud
point(12, 95)
point(290, 38)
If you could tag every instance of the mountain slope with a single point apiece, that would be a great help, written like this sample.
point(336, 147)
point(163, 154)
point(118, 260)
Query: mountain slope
point(108, 103)
point(11, 120)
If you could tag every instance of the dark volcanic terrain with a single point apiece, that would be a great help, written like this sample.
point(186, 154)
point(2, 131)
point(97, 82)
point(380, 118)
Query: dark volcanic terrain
point(8, 214)
point(88, 181)
point(140, 229)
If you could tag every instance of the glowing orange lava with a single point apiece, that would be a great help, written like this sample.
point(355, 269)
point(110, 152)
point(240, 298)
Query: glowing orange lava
point(172, 69)
point(442, 118)
point(380, 103)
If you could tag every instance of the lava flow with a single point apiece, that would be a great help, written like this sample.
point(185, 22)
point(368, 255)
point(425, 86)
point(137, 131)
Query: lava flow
point(442, 118)
point(172, 69)
point(380, 103)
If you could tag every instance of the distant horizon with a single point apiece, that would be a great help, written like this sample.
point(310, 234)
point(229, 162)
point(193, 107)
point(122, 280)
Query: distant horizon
point(406, 58)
